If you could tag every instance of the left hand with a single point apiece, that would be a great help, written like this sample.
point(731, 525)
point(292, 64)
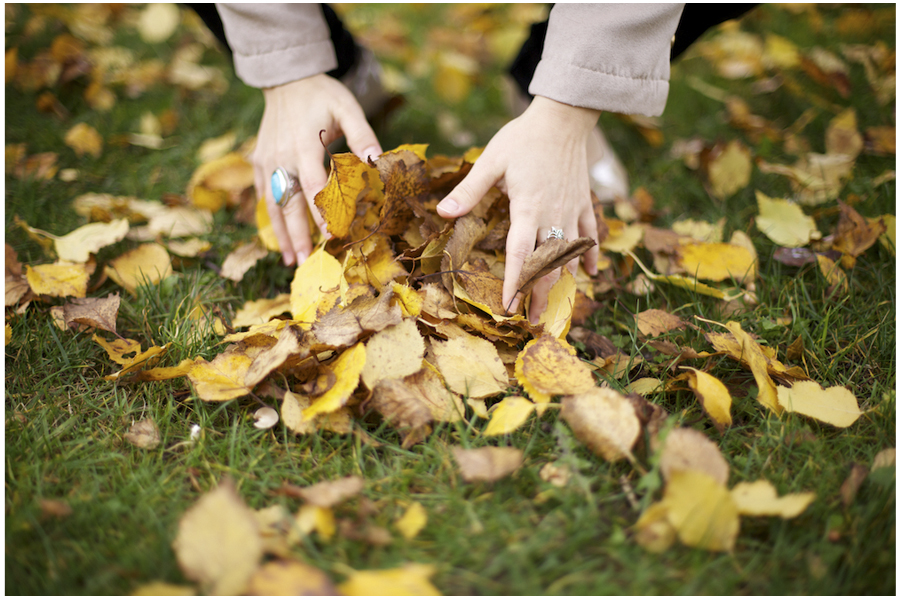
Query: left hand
point(539, 160)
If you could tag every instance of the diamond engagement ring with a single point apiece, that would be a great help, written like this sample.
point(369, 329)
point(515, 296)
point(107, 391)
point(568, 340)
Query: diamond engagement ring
point(556, 233)
point(284, 186)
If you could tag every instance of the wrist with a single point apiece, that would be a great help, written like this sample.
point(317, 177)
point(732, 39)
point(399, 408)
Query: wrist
point(577, 118)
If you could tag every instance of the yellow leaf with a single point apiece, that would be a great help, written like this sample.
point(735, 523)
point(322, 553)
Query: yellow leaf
point(842, 135)
point(687, 449)
point(409, 580)
point(781, 52)
point(508, 415)
point(702, 511)
point(257, 312)
point(289, 578)
point(292, 413)
point(557, 317)
point(8, 332)
point(393, 353)
point(347, 368)
point(57, 280)
point(223, 378)
point(218, 544)
point(645, 386)
point(453, 77)
point(78, 245)
point(604, 420)
point(729, 172)
point(654, 322)
point(149, 263)
point(84, 139)
point(753, 354)
point(320, 519)
point(412, 521)
point(622, 238)
point(716, 262)
point(163, 373)
point(548, 366)
point(835, 276)
point(471, 366)
point(488, 463)
point(784, 222)
point(702, 231)
point(410, 300)
point(713, 395)
point(836, 406)
point(761, 499)
point(320, 274)
point(242, 259)
point(349, 178)
point(654, 533)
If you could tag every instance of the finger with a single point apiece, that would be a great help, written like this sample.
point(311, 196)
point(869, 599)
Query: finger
point(312, 176)
point(469, 192)
point(294, 213)
point(540, 295)
point(519, 246)
point(587, 227)
point(263, 181)
point(360, 136)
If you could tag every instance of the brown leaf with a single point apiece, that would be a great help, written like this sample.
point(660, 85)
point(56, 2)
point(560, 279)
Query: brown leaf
point(242, 259)
point(689, 450)
point(550, 255)
point(851, 485)
point(468, 230)
point(331, 493)
point(100, 313)
point(400, 405)
point(486, 464)
point(655, 322)
point(143, 434)
point(854, 234)
point(338, 327)
point(58, 509)
point(594, 343)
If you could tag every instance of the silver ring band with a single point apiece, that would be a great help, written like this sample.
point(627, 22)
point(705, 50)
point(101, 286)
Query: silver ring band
point(556, 233)
point(284, 186)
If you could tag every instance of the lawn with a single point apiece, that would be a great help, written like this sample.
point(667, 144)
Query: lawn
point(89, 512)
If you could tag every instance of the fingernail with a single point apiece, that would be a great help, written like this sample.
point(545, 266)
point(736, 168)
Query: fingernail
point(301, 258)
point(287, 259)
point(514, 306)
point(371, 153)
point(448, 205)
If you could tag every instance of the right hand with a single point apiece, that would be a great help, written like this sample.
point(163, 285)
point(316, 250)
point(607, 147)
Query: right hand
point(288, 137)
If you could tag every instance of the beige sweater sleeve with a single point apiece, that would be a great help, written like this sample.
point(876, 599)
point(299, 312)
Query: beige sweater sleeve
point(612, 57)
point(275, 44)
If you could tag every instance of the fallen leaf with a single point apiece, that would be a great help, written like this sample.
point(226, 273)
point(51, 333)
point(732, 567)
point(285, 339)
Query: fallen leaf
point(854, 235)
point(316, 518)
point(328, 494)
point(549, 256)
point(413, 521)
point(78, 245)
point(58, 509)
point(833, 274)
point(836, 406)
point(486, 464)
point(760, 498)
point(729, 169)
point(713, 395)
point(218, 544)
point(257, 312)
point(471, 366)
point(157, 22)
point(557, 316)
point(347, 368)
point(393, 353)
point(409, 580)
point(886, 458)
point(349, 178)
point(143, 434)
point(548, 366)
point(289, 577)
point(604, 420)
point(223, 378)
point(146, 264)
point(57, 280)
point(842, 135)
point(402, 407)
point(717, 262)
point(272, 358)
point(84, 139)
point(752, 353)
point(161, 588)
point(653, 531)
point(508, 415)
point(702, 511)
point(687, 449)
point(318, 275)
point(784, 222)
point(99, 313)
point(555, 474)
point(242, 259)
point(654, 322)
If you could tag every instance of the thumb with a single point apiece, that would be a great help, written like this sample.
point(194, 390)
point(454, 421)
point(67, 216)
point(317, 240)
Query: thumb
point(470, 190)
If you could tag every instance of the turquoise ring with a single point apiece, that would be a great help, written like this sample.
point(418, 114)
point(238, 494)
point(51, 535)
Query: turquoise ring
point(284, 186)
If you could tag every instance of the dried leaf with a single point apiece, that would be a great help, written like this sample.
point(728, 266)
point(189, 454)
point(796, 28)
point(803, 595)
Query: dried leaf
point(557, 316)
point(836, 405)
point(313, 283)
point(548, 366)
point(653, 531)
point(242, 259)
point(842, 135)
point(854, 235)
point(393, 353)
point(328, 494)
point(752, 353)
point(99, 313)
point(471, 366)
point(702, 511)
point(687, 449)
point(784, 222)
point(143, 434)
point(834, 275)
point(729, 170)
point(349, 178)
point(409, 580)
point(347, 368)
point(257, 312)
point(84, 139)
point(78, 245)
point(604, 420)
point(146, 264)
point(412, 521)
point(761, 499)
point(223, 378)
point(717, 262)
point(549, 256)
point(218, 544)
point(508, 415)
point(57, 280)
point(713, 395)
point(161, 588)
point(654, 322)
point(403, 409)
point(272, 358)
point(289, 578)
point(486, 464)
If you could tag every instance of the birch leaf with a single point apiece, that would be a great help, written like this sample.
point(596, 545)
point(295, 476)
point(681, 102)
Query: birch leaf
point(508, 415)
point(702, 511)
point(713, 395)
point(604, 420)
point(471, 366)
point(836, 406)
point(761, 499)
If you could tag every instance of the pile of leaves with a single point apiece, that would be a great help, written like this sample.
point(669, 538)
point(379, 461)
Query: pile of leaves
point(397, 317)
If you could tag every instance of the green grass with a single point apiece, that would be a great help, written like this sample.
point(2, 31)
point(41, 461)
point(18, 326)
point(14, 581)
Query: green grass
point(65, 423)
